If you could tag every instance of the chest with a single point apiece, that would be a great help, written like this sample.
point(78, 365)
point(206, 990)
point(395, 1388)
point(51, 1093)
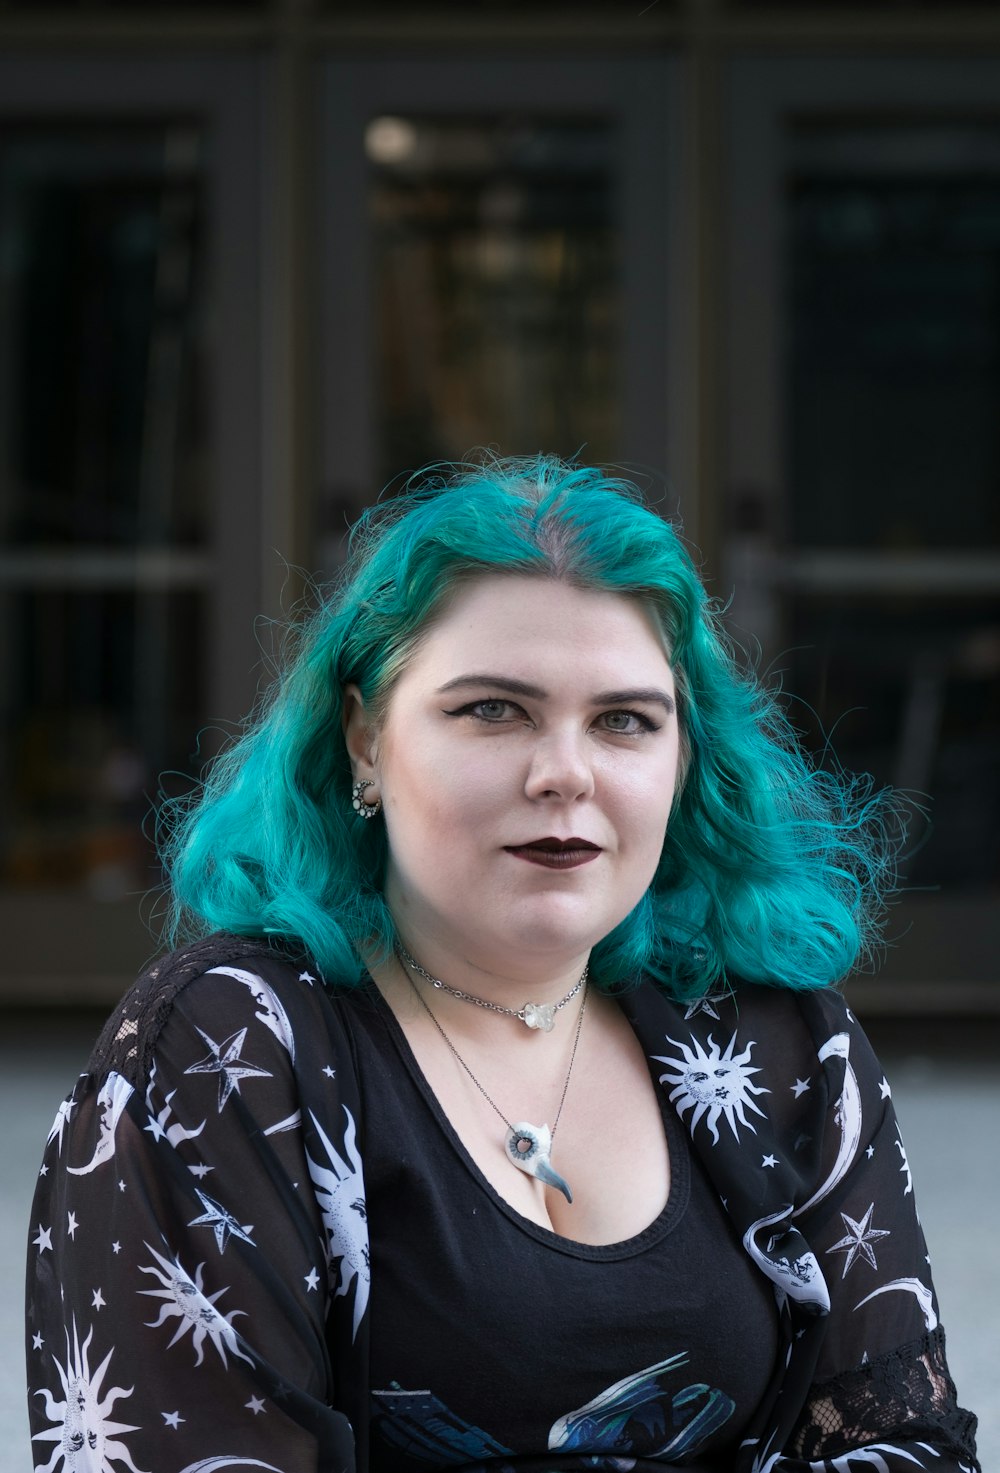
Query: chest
point(492, 1335)
point(601, 1104)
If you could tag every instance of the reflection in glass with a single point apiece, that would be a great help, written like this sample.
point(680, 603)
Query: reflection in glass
point(497, 286)
point(894, 358)
point(104, 511)
point(104, 696)
point(100, 352)
point(909, 689)
point(893, 455)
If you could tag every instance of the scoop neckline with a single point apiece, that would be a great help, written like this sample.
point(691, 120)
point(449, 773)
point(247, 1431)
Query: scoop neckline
point(666, 1220)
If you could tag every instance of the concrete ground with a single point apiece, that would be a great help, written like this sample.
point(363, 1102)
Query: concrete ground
point(946, 1086)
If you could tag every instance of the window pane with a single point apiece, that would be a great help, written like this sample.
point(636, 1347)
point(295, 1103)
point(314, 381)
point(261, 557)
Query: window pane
point(908, 689)
point(104, 493)
point(497, 286)
point(893, 455)
point(894, 358)
point(101, 335)
point(103, 692)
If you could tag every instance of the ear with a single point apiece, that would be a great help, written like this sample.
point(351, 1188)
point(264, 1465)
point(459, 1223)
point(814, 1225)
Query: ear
point(359, 734)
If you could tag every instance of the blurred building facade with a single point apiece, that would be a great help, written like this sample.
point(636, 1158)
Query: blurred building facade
point(260, 259)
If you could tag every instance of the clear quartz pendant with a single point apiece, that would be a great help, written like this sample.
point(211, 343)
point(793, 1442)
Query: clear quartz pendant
point(539, 1015)
point(528, 1147)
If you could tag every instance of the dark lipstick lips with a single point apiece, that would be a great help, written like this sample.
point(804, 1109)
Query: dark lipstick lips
point(554, 853)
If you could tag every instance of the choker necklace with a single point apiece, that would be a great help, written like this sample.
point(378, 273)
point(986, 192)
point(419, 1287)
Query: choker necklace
point(540, 1015)
point(528, 1146)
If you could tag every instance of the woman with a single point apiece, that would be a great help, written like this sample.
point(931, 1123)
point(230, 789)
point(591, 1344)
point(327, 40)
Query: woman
point(503, 1116)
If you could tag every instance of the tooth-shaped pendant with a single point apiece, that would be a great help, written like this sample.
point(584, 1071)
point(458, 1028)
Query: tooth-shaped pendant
point(528, 1147)
point(539, 1015)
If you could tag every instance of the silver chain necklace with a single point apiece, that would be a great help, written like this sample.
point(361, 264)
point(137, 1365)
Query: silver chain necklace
point(528, 1146)
point(540, 1015)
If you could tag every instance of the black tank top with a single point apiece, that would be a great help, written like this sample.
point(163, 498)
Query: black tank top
point(497, 1344)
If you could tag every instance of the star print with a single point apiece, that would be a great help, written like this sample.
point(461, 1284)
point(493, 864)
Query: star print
point(870, 1152)
point(330, 1073)
point(307, 977)
point(858, 1242)
point(225, 1061)
point(704, 1005)
point(37, 1342)
point(769, 1161)
point(116, 1248)
point(121, 1186)
point(43, 1170)
point(98, 1301)
point(201, 1170)
point(173, 1419)
point(884, 1089)
point(72, 1225)
point(224, 1223)
point(312, 1279)
point(800, 1086)
point(255, 1404)
point(44, 1239)
point(157, 1132)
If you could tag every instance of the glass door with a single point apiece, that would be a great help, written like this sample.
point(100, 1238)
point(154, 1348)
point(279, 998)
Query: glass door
point(129, 574)
point(501, 246)
point(864, 455)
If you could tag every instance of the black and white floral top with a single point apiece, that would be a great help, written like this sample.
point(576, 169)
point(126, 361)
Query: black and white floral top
point(200, 1281)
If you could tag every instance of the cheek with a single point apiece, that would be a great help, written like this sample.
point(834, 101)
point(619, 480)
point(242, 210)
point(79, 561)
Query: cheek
point(446, 792)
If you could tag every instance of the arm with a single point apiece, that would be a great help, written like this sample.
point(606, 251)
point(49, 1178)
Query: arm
point(178, 1284)
point(881, 1385)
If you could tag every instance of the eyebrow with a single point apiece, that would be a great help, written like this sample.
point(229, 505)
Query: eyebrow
point(643, 694)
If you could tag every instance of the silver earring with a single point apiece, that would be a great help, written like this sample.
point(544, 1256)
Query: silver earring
point(361, 808)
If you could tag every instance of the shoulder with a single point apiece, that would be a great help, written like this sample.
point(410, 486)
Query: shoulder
point(216, 983)
point(797, 1046)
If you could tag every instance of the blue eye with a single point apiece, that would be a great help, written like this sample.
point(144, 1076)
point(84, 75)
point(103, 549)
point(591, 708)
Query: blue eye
point(628, 723)
point(492, 712)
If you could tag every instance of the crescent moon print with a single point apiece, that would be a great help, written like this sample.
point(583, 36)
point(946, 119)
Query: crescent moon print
point(158, 1126)
point(114, 1096)
point(795, 1271)
point(871, 1457)
point(713, 1083)
point(85, 1436)
point(212, 1465)
point(59, 1124)
point(290, 1122)
point(340, 1192)
point(847, 1117)
point(270, 1010)
point(912, 1286)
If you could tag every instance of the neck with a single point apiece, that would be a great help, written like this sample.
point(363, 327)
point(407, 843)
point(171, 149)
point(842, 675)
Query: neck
point(503, 986)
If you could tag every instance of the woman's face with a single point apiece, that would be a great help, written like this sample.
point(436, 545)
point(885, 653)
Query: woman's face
point(526, 767)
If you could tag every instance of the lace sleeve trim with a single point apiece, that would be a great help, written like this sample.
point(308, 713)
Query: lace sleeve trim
point(907, 1394)
point(129, 1037)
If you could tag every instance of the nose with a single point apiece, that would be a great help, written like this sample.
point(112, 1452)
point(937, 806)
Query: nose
point(561, 768)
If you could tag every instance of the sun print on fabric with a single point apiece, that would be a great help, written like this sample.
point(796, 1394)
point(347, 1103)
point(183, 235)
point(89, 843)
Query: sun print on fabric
point(713, 1083)
point(86, 1438)
point(185, 1300)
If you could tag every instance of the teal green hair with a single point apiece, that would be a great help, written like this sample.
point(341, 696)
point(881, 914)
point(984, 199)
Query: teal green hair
point(772, 870)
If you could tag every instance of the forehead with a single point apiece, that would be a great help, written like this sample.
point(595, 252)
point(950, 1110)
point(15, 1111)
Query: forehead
point(542, 625)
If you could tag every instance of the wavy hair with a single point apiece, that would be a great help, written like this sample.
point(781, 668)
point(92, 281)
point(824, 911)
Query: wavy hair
point(772, 869)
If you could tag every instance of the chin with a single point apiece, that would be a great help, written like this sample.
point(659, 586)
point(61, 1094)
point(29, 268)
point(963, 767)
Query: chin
point(557, 930)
